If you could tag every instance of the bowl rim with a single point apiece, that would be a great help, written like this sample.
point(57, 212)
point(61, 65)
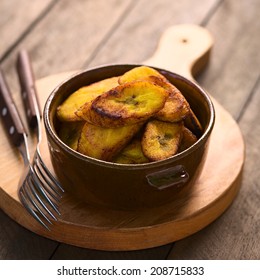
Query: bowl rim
point(51, 132)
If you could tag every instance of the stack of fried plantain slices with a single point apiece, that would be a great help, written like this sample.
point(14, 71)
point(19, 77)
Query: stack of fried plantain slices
point(136, 118)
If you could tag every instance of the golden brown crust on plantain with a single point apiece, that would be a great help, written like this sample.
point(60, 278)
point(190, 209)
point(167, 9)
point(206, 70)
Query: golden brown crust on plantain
point(193, 124)
point(175, 109)
point(161, 139)
point(188, 139)
point(132, 154)
point(126, 104)
point(104, 143)
point(84, 95)
point(70, 132)
point(112, 111)
point(137, 73)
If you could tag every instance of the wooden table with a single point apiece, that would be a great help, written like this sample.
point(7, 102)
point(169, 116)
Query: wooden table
point(63, 35)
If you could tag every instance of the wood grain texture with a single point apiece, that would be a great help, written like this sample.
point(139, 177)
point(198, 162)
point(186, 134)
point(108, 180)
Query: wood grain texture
point(136, 39)
point(236, 234)
point(231, 78)
point(189, 211)
point(102, 228)
point(183, 48)
point(44, 61)
point(234, 67)
point(16, 18)
point(18, 243)
point(45, 45)
point(67, 35)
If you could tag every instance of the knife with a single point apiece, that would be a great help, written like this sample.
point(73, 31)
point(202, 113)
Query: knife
point(10, 115)
point(28, 88)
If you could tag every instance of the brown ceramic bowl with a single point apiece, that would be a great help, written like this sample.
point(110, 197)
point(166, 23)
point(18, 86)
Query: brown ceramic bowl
point(127, 185)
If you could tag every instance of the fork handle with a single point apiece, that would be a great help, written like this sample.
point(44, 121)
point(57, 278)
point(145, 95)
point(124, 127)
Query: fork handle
point(9, 114)
point(28, 89)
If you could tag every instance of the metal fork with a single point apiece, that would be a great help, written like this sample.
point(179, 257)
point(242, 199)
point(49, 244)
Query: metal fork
point(38, 190)
point(50, 189)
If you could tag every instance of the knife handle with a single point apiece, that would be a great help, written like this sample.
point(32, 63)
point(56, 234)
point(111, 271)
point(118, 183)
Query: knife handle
point(28, 89)
point(9, 114)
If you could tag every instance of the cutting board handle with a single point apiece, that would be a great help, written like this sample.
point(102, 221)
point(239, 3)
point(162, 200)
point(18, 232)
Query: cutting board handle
point(183, 49)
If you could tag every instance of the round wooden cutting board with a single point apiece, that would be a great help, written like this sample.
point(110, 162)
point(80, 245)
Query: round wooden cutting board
point(183, 49)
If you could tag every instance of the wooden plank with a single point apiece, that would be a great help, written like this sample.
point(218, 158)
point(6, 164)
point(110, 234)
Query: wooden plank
point(216, 82)
point(16, 18)
point(235, 59)
point(66, 252)
point(137, 37)
point(16, 243)
point(68, 35)
point(233, 78)
point(236, 234)
point(51, 51)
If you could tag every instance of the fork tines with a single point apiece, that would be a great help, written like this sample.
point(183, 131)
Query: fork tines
point(40, 192)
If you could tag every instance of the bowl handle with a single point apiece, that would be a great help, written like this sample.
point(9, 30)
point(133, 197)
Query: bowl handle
point(171, 177)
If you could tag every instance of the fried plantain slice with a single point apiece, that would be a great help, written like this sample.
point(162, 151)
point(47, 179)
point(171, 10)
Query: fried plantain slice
point(70, 132)
point(146, 73)
point(192, 122)
point(161, 139)
point(126, 104)
point(176, 108)
point(104, 143)
point(188, 139)
point(84, 95)
point(132, 154)
point(137, 73)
